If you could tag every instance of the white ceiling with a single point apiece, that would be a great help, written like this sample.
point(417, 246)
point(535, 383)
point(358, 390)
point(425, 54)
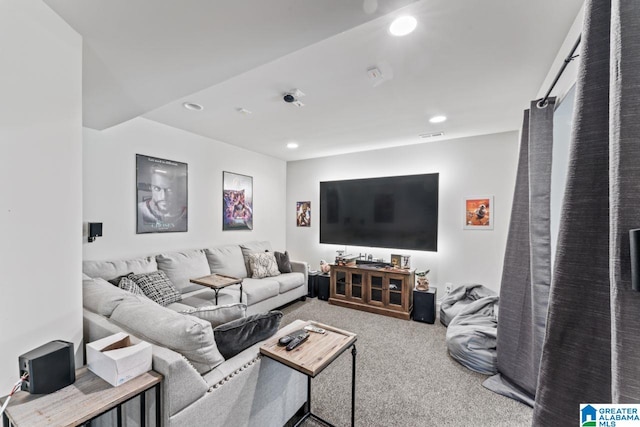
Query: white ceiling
point(479, 62)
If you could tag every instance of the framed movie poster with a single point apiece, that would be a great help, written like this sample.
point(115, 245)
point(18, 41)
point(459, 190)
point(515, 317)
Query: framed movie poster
point(237, 201)
point(161, 201)
point(478, 213)
point(303, 214)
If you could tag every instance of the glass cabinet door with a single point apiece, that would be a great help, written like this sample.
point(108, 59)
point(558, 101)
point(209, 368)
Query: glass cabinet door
point(356, 285)
point(377, 286)
point(395, 290)
point(341, 283)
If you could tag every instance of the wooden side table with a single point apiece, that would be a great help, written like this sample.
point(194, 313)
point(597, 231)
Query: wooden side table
point(217, 282)
point(312, 356)
point(88, 398)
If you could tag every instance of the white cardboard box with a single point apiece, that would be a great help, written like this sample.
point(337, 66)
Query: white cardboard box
point(116, 360)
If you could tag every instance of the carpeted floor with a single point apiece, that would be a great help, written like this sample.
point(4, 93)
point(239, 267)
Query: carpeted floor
point(404, 377)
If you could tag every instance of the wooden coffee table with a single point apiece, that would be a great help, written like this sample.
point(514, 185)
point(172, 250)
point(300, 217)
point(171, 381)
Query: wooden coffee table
point(217, 282)
point(312, 356)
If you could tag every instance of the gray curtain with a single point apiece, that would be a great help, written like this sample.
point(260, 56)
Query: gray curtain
point(526, 274)
point(591, 352)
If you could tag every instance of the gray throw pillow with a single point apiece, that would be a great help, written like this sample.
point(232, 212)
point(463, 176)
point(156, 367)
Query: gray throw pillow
point(218, 314)
point(116, 280)
point(284, 264)
point(129, 285)
point(157, 287)
point(263, 264)
point(238, 335)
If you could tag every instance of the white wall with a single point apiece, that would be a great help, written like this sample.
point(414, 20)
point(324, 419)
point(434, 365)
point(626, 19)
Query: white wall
point(482, 165)
point(41, 176)
point(109, 178)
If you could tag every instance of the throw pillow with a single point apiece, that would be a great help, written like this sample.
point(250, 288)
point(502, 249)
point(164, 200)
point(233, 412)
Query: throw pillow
point(116, 280)
point(263, 264)
point(157, 287)
point(284, 264)
point(238, 335)
point(130, 286)
point(218, 315)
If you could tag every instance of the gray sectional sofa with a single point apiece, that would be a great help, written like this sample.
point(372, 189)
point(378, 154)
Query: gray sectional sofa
point(200, 388)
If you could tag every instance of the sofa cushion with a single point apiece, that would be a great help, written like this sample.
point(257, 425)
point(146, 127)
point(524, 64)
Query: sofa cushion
point(233, 337)
point(100, 296)
point(157, 287)
point(289, 281)
point(227, 260)
point(263, 264)
point(218, 314)
point(252, 247)
point(284, 264)
point(111, 269)
point(260, 289)
point(182, 266)
point(207, 298)
point(188, 335)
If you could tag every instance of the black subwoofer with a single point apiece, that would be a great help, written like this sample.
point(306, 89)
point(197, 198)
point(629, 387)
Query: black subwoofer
point(323, 286)
point(424, 305)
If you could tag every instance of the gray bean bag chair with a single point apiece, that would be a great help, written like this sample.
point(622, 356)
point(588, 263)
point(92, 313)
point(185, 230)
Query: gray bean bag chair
point(471, 336)
point(459, 297)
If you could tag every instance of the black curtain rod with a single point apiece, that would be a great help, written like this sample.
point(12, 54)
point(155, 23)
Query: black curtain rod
point(543, 102)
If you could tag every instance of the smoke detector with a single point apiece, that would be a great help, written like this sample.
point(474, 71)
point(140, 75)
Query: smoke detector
point(375, 76)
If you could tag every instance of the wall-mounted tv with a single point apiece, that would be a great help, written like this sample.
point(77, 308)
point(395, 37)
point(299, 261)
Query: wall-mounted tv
point(392, 212)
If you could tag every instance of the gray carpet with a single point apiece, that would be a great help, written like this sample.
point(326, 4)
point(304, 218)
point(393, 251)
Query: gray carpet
point(404, 377)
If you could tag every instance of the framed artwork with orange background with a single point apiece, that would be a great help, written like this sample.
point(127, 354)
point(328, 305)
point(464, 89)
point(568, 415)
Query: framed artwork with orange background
point(478, 213)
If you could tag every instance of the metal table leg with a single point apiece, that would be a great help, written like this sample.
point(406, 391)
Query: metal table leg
point(143, 409)
point(309, 414)
point(158, 401)
point(354, 352)
point(216, 290)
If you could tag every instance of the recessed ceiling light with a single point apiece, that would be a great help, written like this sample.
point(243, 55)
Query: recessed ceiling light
point(292, 145)
point(192, 106)
point(438, 119)
point(403, 25)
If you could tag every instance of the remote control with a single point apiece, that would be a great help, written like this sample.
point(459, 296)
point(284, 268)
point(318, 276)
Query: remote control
point(315, 329)
point(288, 338)
point(297, 341)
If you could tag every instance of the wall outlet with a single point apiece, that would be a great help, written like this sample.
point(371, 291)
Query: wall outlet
point(448, 286)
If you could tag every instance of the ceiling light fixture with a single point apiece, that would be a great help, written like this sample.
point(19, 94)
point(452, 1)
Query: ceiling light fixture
point(438, 119)
point(403, 25)
point(192, 106)
point(292, 145)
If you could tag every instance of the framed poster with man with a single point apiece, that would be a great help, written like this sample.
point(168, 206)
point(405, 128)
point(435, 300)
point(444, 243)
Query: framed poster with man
point(161, 195)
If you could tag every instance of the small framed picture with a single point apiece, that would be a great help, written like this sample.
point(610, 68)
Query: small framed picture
point(396, 261)
point(303, 214)
point(478, 213)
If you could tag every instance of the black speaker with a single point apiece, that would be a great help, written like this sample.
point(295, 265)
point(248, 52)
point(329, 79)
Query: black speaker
point(424, 305)
point(312, 285)
point(634, 250)
point(50, 367)
point(95, 230)
point(323, 286)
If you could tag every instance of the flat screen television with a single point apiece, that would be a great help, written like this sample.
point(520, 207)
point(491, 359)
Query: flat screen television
point(391, 212)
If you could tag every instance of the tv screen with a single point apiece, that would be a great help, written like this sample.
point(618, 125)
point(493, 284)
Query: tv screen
point(393, 212)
